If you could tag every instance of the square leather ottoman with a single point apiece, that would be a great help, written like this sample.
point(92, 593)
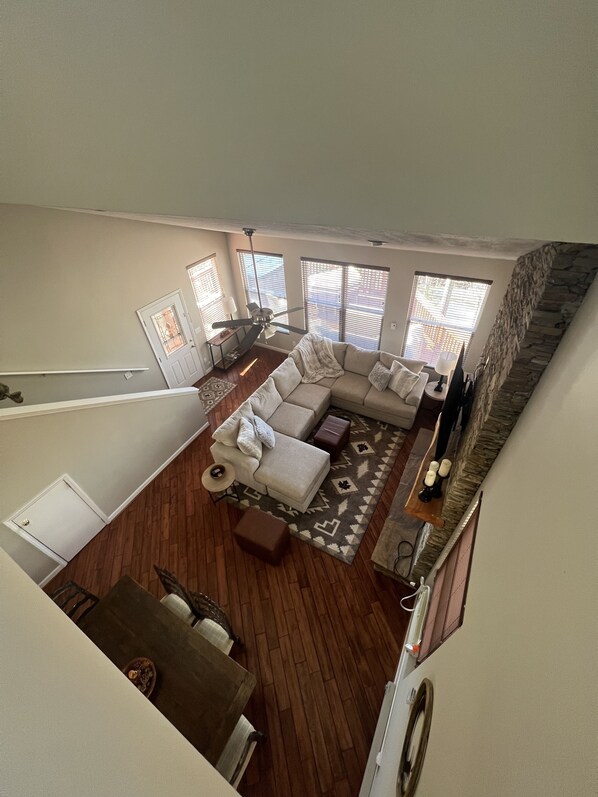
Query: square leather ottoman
point(333, 435)
point(262, 535)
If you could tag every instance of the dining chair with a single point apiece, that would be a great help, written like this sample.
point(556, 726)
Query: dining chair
point(177, 598)
point(238, 751)
point(74, 600)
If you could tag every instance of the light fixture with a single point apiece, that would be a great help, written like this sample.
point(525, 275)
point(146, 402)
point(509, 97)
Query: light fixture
point(445, 364)
point(268, 332)
point(376, 243)
point(229, 306)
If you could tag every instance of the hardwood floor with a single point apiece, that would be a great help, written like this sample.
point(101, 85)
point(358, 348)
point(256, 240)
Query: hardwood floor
point(322, 637)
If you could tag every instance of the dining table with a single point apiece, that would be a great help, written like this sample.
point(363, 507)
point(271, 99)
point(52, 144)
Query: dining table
point(199, 689)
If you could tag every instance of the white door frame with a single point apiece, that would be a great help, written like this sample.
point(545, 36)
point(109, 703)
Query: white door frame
point(178, 293)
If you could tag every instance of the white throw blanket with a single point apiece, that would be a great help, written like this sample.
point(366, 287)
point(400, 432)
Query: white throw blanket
point(317, 358)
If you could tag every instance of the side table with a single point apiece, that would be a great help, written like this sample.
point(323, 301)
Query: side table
point(224, 487)
point(226, 360)
point(433, 400)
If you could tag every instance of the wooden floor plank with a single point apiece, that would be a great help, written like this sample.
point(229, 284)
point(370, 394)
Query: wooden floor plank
point(322, 637)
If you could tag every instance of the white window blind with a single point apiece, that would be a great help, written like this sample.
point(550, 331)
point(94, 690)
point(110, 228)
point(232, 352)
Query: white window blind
point(270, 276)
point(345, 302)
point(208, 293)
point(443, 315)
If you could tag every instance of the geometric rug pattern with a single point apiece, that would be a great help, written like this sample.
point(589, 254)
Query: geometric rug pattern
point(213, 391)
point(338, 517)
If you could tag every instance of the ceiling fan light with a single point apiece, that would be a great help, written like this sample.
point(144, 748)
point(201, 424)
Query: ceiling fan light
point(268, 332)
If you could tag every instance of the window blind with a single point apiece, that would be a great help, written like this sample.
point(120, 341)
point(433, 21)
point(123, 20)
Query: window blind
point(270, 278)
point(208, 293)
point(443, 315)
point(449, 593)
point(345, 302)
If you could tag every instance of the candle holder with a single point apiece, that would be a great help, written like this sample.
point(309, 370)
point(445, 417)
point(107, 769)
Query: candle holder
point(437, 488)
point(426, 494)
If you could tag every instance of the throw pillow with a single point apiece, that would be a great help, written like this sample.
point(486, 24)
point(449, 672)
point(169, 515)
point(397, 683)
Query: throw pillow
point(266, 399)
point(228, 430)
point(402, 380)
point(264, 432)
point(286, 377)
point(247, 440)
point(379, 377)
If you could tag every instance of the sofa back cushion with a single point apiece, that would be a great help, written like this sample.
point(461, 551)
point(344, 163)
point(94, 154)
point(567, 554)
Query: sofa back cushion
point(339, 350)
point(266, 399)
point(360, 361)
point(228, 431)
point(286, 377)
point(415, 366)
point(296, 358)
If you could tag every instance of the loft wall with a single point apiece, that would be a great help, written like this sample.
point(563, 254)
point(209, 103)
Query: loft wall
point(547, 288)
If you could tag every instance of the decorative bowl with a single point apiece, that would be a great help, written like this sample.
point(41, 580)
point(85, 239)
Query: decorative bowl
point(217, 471)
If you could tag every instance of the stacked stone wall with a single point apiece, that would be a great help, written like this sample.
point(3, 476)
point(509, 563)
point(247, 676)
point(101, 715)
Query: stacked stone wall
point(547, 288)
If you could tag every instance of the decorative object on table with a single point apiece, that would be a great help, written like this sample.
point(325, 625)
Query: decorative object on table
point(222, 485)
point(213, 391)
point(141, 672)
point(427, 493)
point(217, 471)
point(444, 365)
point(261, 320)
point(338, 517)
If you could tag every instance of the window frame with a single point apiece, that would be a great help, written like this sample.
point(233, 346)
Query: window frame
point(215, 303)
point(344, 306)
point(412, 319)
point(282, 318)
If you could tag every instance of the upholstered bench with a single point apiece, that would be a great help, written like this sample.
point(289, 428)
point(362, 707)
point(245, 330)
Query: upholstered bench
point(262, 535)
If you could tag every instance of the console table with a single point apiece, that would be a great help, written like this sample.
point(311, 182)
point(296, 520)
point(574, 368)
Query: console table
point(226, 360)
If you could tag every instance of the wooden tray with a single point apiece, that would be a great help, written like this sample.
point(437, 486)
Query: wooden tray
point(141, 672)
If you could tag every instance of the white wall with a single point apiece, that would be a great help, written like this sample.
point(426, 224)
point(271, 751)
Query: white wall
point(515, 687)
point(402, 265)
point(463, 118)
point(70, 284)
point(71, 724)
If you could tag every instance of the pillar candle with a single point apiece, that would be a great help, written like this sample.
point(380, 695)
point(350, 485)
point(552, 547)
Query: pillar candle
point(444, 468)
point(434, 465)
point(430, 478)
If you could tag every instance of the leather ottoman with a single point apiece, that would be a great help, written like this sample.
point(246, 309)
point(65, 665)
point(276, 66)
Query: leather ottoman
point(333, 435)
point(262, 535)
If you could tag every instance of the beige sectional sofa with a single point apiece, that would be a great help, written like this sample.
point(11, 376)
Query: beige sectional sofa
point(292, 471)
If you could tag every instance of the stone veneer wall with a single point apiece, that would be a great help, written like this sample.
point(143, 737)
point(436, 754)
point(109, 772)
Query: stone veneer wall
point(546, 289)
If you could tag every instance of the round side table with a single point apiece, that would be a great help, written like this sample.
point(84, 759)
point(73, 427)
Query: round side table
point(224, 487)
point(433, 400)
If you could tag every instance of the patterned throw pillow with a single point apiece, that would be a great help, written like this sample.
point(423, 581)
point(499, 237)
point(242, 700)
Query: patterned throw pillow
point(402, 380)
point(379, 376)
point(247, 440)
point(264, 432)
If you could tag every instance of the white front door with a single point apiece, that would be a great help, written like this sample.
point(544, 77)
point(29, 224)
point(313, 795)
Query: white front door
point(167, 326)
point(60, 519)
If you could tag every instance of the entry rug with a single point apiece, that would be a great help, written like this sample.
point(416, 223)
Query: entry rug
point(338, 517)
point(213, 391)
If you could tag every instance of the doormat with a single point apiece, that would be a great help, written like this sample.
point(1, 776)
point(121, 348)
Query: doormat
point(338, 517)
point(213, 391)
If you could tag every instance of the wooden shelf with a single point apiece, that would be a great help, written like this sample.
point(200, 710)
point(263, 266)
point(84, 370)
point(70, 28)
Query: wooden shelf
point(430, 512)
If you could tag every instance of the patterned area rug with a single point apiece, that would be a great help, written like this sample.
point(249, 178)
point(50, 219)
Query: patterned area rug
point(214, 390)
point(338, 517)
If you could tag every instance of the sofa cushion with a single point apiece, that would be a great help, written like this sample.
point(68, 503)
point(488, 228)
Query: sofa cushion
point(402, 380)
point(386, 402)
point(360, 361)
point(312, 397)
point(414, 365)
point(228, 431)
point(247, 440)
point(351, 387)
point(327, 381)
point(292, 420)
point(296, 357)
point(339, 350)
point(264, 432)
point(379, 376)
point(292, 468)
point(286, 377)
point(266, 399)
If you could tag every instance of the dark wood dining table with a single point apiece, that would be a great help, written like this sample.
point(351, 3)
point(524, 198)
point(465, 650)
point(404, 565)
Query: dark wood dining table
point(199, 689)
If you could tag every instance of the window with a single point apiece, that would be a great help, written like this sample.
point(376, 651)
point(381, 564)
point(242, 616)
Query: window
point(345, 302)
point(443, 315)
point(208, 293)
point(449, 593)
point(270, 275)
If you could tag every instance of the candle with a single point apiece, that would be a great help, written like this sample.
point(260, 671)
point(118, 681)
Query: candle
point(434, 465)
point(430, 478)
point(444, 468)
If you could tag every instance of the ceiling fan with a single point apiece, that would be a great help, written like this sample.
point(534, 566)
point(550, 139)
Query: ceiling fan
point(261, 318)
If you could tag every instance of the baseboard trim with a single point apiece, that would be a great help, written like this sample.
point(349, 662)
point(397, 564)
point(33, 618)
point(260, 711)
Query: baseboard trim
point(150, 479)
point(273, 348)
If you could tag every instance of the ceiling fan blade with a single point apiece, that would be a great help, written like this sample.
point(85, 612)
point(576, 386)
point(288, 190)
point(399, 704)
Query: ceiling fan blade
point(289, 328)
point(284, 312)
point(249, 339)
point(238, 322)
